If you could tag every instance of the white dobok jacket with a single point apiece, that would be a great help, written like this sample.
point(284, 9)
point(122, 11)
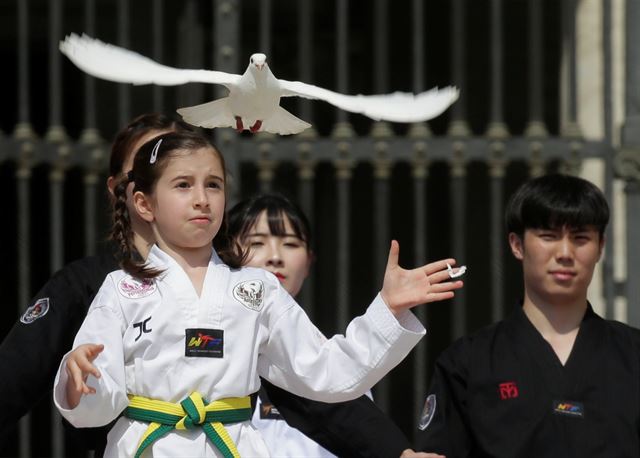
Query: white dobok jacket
point(259, 330)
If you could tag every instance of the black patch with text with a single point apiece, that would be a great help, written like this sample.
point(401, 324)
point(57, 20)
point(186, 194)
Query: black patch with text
point(568, 408)
point(204, 343)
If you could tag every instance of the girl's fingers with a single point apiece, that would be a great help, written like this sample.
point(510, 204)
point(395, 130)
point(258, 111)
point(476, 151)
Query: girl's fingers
point(76, 375)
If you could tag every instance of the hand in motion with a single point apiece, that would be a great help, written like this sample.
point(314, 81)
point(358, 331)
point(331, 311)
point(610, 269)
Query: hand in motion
point(402, 289)
point(408, 453)
point(78, 366)
point(253, 102)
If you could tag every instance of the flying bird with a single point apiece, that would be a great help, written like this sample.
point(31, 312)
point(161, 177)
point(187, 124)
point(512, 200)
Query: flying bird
point(253, 102)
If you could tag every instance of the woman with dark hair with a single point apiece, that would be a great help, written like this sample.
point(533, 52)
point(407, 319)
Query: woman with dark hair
point(274, 234)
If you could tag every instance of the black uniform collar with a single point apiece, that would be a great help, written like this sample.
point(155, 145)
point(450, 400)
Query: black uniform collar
point(584, 355)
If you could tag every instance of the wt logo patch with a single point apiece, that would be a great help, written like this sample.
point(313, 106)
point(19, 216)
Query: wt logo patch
point(508, 390)
point(133, 288)
point(569, 408)
point(204, 343)
point(250, 294)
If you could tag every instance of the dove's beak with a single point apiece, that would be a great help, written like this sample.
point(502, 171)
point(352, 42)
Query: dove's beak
point(259, 66)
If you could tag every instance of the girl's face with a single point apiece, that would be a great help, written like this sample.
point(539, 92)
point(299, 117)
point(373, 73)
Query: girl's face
point(187, 205)
point(287, 257)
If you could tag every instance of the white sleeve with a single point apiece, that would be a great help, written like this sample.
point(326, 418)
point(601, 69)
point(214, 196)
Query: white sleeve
point(300, 359)
point(104, 324)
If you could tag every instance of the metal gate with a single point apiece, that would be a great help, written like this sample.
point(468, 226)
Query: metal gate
point(540, 91)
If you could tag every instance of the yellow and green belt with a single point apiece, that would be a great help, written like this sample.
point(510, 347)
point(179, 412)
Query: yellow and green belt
point(193, 412)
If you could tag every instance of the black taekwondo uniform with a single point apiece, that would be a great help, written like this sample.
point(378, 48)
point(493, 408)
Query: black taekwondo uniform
point(503, 392)
point(31, 353)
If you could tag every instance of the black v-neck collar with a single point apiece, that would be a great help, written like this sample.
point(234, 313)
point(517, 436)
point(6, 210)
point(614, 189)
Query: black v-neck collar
point(583, 359)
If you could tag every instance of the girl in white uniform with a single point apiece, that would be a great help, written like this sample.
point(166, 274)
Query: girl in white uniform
point(183, 338)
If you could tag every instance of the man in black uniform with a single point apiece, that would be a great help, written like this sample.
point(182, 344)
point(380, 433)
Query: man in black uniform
point(553, 379)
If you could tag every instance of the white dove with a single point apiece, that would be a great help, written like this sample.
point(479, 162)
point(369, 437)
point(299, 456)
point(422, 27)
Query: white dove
point(253, 102)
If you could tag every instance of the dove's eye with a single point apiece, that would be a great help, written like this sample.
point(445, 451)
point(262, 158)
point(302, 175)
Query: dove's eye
point(252, 60)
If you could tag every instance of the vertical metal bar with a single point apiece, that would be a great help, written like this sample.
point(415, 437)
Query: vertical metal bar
point(90, 133)
point(497, 164)
point(56, 189)
point(458, 126)
point(23, 62)
point(420, 363)
point(157, 11)
point(91, 180)
point(89, 81)
point(266, 165)
point(343, 181)
point(306, 176)
point(632, 192)
point(23, 181)
point(380, 43)
point(607, 268)
point(191, 43)
point(497, 127)
point(458, 225)
point(265, 27)
point(570, 126)
point(305, 46)
point(342, 61)
point(227, 45)
point(124, 90)
point(629, 157)
point(418, 46)
point(56, 130)
point(382, 171)
point(535, 126)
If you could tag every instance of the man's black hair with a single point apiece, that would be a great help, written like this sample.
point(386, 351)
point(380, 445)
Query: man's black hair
point(555, 201)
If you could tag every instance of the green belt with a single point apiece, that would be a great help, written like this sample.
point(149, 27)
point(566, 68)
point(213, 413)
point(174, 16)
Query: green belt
point(193, 412)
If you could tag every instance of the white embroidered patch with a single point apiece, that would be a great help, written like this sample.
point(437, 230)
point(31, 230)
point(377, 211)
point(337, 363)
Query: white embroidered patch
point(133, 288)
point(428, 411)
point(37, 310)
point(250, 294)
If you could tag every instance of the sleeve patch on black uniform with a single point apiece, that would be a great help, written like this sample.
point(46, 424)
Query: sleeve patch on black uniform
point(428, 411)
point(37, 310)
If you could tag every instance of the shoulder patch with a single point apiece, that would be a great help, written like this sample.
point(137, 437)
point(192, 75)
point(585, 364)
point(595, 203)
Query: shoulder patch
point(250, 294)
point(37, 310)
point(133, 288)
point(428, 411)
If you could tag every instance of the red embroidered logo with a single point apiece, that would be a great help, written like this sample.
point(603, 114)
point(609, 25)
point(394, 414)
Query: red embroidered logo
point(508, 390)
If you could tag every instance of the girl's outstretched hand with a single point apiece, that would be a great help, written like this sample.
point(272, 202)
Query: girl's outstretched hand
point(78, 366)
point(402, 289)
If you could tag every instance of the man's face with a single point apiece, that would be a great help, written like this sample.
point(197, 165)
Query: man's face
point(558, 263)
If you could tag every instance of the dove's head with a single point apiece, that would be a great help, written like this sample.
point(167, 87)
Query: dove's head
point(258, 60)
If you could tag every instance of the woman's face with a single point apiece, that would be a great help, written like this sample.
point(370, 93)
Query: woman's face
point(287, 257)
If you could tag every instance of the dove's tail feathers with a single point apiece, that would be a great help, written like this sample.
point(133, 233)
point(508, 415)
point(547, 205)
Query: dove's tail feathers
point(209, 115)
point(284, 123)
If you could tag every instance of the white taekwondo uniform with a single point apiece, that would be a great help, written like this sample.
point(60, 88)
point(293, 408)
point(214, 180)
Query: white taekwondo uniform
point(260, 331)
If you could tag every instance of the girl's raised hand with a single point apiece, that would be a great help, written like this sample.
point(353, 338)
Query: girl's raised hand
point(78, 366)
point(402, 289)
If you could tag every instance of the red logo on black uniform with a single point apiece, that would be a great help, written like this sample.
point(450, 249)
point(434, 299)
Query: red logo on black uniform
point(508, 390)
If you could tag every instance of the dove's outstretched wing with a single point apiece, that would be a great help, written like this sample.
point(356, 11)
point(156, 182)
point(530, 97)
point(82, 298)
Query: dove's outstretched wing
point(113, 63)
point(396, 107)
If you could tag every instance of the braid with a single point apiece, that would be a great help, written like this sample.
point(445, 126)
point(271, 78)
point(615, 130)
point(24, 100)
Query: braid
point(121, 232)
